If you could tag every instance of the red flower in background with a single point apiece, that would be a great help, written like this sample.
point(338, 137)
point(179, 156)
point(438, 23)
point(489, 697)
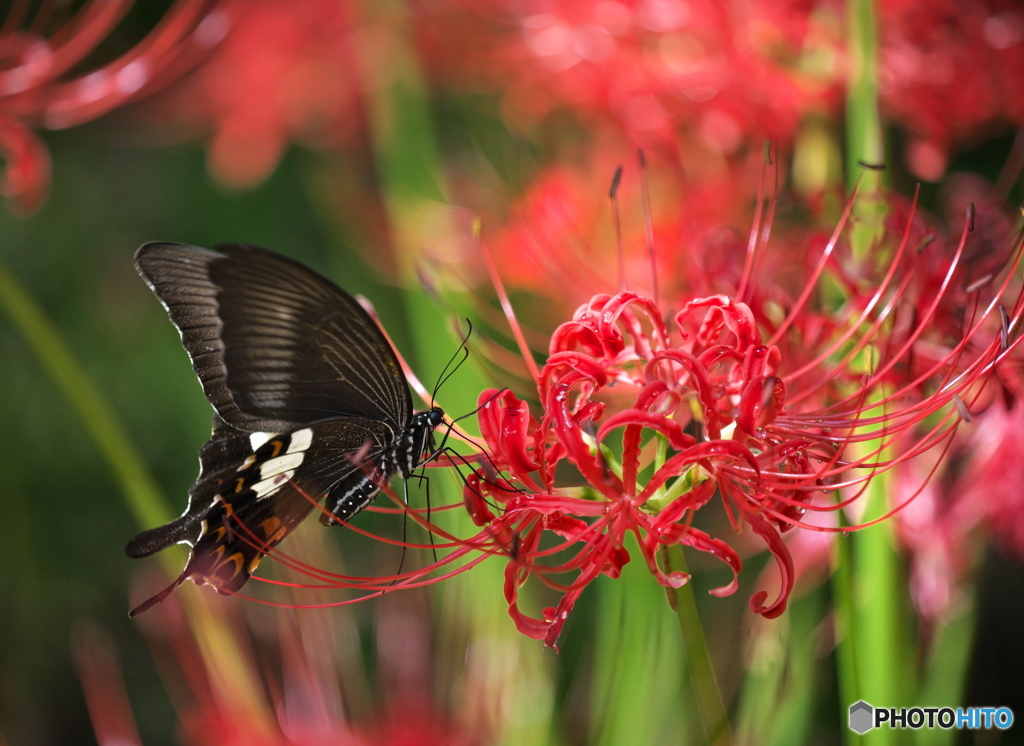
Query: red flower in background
point(290, 679)
point(974, 494)
point(727, 73)
point(951, 73)
point(771, 409)
point(286, 72)
point(45, 80)
point(560, 241)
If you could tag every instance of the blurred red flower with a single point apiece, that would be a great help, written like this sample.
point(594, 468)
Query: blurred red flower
point(48, 79)
point(951, 73)
point(285, 72)
point(724, 73)
point(315, 692)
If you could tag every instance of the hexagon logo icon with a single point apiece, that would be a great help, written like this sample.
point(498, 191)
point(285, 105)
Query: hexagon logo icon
point(861, 717)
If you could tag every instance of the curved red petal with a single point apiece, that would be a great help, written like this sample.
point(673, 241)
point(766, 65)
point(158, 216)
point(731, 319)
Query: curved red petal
point(785, 561)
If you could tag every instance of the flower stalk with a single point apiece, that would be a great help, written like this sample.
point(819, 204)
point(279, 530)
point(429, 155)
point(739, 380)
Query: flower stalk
point(713, 714)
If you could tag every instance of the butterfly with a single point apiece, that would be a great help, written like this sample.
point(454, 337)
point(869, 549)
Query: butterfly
point(309, 402)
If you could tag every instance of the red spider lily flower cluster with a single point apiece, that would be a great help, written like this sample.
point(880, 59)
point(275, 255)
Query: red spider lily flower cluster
point(285, 72)
point(727, 70)
point(782, 419)
point(730, 73)
point(951, 73)
point(560, 232)
point(42, 83)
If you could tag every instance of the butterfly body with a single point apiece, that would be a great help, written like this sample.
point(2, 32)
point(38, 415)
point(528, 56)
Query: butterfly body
point(310, 403)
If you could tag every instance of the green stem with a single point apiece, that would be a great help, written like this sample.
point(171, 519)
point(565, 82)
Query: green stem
point(863, 122)
point(884, 657)
point(214, 635)
point(864, 127)
point(705, 683)
point(140, 491)
point(843, 620)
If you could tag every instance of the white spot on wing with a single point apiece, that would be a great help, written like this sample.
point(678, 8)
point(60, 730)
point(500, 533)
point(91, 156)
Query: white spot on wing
point(300, 440)
point(275, 472)
point(287, 462)
point(258, 439)
point(269, 486)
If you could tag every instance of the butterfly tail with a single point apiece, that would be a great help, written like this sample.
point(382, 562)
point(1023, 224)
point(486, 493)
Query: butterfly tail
point(158, 598)
point(152, 541)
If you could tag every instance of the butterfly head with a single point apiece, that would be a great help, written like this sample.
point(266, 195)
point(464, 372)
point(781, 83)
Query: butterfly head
point(434, 417)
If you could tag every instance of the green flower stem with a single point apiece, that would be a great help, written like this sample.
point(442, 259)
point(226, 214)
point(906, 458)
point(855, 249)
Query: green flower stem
point(643, 671)
point(864, 126)
point(883, 655)
point(872, 653)
point(705, 682)
point(863, 122)
point(843, 619)
point(140, 491)
point(507, 668)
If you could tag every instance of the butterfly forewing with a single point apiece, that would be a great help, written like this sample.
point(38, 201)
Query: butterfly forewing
point(273, 342)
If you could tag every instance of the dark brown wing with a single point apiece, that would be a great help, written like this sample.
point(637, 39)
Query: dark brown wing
point(273, 343)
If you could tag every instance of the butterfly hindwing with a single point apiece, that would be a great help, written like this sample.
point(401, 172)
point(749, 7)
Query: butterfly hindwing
point(226, 449)
point(255, 488)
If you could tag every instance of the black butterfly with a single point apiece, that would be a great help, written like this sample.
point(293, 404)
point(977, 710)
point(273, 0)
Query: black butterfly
point(309, 401)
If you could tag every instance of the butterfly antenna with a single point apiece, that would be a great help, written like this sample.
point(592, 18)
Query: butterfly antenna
point(450, 452)
point(451, 425)
point(460, 418)
point(445, 374)
point(455, 455)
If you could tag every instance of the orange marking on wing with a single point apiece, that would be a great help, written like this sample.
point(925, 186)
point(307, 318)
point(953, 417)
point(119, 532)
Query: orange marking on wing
point(273, 531)
point(270, 525)
point(216, 575)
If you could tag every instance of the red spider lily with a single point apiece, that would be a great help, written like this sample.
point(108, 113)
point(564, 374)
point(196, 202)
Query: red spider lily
point(727, 71)
point(561, 236)
point(975, 494)
point(775, 414)
point(45, 80)
point(950, 73)
point(284, 72)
